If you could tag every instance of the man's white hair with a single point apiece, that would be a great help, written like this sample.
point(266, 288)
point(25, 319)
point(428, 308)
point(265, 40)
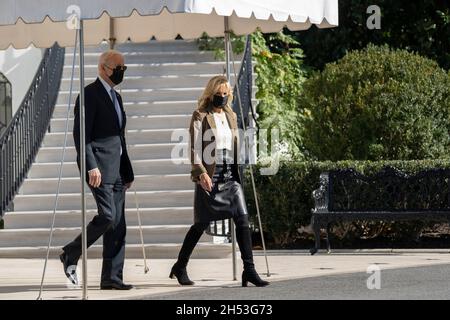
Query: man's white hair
point(106, 56)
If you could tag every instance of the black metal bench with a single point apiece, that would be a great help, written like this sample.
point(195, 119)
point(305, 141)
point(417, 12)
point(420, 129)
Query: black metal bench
point(390, 194)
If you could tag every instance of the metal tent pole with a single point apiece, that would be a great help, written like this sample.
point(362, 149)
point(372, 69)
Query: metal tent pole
point(112, 39)
point(83, 164)
point(52, 227)
point(227, 59)
point(141, 234)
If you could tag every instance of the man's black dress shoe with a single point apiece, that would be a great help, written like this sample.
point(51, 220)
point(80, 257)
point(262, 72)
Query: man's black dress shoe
point(115, 286)
point(70, 269)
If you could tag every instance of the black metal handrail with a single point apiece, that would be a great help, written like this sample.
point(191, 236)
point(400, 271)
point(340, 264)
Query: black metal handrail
point(22, 138)
point(244, 84)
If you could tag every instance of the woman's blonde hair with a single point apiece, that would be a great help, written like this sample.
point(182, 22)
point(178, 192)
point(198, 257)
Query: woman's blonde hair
point(212, 87)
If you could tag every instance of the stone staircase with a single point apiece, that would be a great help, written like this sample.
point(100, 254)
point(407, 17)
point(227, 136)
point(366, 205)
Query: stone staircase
point(160, 91)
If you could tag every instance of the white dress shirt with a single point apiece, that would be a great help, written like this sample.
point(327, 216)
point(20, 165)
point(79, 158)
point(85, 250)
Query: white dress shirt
point(107, 86)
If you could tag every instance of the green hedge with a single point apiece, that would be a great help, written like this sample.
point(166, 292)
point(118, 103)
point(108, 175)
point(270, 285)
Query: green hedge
point(280, 75)
point(285, 199)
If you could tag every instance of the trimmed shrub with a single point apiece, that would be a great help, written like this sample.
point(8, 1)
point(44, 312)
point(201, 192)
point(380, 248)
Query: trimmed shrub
point(377, 104)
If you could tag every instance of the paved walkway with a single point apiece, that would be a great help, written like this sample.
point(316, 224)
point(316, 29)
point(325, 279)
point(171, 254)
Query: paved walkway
point(20, 278)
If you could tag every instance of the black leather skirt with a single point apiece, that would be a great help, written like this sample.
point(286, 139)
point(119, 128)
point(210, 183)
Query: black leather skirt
point(226, 199)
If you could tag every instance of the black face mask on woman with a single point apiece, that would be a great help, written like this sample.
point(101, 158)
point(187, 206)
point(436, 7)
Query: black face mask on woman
point(219, 101)
point(117, 76)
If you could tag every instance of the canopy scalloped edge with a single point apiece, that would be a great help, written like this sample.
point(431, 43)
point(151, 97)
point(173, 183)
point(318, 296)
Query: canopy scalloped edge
point(258, 11)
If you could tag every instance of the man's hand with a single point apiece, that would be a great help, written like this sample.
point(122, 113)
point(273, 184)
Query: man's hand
point(95, 178)
point(205, 182)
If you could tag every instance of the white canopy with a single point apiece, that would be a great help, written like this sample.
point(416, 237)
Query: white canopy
point(42, 22)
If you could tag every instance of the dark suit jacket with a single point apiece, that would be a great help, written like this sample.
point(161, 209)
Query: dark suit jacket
point(104, 137)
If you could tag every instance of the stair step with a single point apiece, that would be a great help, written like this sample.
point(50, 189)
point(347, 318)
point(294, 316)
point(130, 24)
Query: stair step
point(144, 108)
point(141, 182)
point(142, 136)
point(149, 81)
point(137, 152)
point(140, 167)
point(62, 236)
point(144, 95)
point(72, 218)
point(132, 251)
point(68, 201)
point(152, 57)
point(135, 122)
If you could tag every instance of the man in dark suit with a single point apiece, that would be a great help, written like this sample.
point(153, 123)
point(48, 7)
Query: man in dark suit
point(109, 171)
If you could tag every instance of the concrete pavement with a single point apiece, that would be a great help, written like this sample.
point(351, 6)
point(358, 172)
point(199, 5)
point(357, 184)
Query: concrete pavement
point(20, 278)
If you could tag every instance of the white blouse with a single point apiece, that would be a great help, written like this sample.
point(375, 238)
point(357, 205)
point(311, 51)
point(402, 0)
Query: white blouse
point(222, 134)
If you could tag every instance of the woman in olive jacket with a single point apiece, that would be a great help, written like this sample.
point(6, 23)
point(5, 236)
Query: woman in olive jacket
point(218, 193)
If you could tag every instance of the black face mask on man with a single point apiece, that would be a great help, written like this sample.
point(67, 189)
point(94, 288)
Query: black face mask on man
point(117, 75)
point(220, 101)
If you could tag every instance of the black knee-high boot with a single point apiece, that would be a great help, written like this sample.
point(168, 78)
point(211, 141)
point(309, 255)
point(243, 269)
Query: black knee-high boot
point(179, 268)
point(244, 240)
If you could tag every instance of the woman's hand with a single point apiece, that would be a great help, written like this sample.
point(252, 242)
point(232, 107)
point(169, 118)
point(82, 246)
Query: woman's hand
point(205, 182)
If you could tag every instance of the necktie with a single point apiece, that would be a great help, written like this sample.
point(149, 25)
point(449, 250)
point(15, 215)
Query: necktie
point(117, 107)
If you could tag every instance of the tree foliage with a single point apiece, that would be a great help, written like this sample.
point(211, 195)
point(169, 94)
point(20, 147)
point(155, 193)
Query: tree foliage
point(377, 104)
point(420, 26)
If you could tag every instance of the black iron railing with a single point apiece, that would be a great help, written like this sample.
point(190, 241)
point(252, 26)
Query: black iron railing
point(244, 84)
point(22, 138)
